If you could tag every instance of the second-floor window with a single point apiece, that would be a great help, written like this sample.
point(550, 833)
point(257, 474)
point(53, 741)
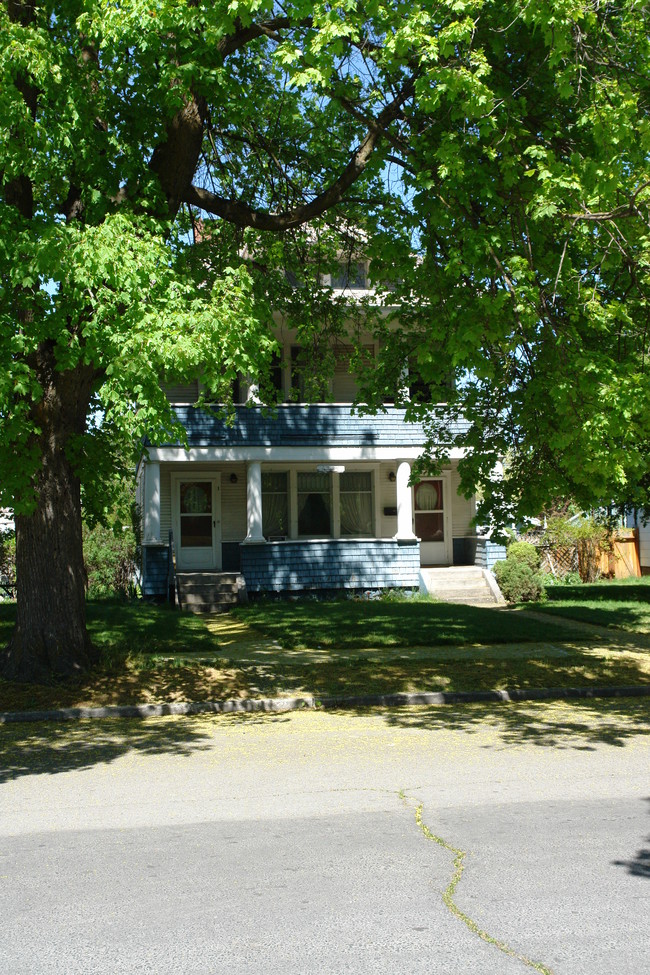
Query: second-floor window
point(351, 276)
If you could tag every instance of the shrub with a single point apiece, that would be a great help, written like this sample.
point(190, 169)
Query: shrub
point(524, 553)
point(518, 582)
point(110, 561)
point(587, 537)
point(519, 577)
point(8, 556)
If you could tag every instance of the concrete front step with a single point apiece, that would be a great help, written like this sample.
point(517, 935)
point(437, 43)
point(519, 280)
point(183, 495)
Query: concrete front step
point(209, 587)
point(481, 598)
point(459, 584)
point(461, 593)
point(208, 592)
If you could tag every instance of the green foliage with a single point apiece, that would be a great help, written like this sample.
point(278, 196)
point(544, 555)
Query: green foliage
point(524, 553)
point(568, 579)
point(511, 197)
point(8, 556)
point(518, 576)
point(518, 582)
point(111, 558)
point(530, 179)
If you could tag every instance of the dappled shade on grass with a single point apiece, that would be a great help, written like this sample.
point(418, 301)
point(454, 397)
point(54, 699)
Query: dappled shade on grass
point(349, 648)
point(352, 624)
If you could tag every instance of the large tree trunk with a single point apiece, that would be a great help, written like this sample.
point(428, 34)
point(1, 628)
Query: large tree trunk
point(50, 637)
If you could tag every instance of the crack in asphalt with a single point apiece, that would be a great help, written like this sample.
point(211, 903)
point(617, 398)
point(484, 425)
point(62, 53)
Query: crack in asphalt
point(450, 890)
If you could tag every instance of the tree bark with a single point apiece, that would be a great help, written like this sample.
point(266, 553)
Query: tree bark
point(50, 637)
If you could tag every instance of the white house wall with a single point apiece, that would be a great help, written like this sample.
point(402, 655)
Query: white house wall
point(233, 500)
point(463, 509)
point(644, 545)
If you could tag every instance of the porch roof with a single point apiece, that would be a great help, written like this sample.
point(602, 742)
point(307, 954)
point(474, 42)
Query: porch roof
point(302, 425)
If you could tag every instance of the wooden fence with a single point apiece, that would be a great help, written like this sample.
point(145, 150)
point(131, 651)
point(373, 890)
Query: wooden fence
point(619, 562)
point(623, 559)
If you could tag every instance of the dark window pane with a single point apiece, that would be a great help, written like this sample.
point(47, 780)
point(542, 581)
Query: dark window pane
point(429, 527)
point(196, 531)
point(314, 506)
point(275, 506)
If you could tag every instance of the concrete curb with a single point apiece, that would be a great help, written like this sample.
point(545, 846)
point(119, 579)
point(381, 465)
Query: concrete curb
point(276, 704)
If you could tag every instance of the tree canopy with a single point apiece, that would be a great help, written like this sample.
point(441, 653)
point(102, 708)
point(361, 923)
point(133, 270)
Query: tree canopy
point(490, 158)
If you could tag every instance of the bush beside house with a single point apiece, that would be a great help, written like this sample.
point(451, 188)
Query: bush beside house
point(519, 575)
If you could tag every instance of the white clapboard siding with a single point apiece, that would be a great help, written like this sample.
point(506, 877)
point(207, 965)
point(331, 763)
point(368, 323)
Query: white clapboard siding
point(344, 383)
point(387, 499)
point(644, 544)
point(165, 503)
point(462, 509)
point(233, 503)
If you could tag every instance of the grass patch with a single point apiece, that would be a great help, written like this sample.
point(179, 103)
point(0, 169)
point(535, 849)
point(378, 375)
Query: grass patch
point(624, 604)
point(154, 654)
point(355, 624)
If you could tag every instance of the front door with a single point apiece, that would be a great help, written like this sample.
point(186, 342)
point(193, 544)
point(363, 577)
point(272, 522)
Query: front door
point(197, 529)
point(431, 521)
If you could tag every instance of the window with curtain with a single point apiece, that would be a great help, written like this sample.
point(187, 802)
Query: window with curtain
point(275, 505)
point(356, 503)
point(314, 504)
point(429, 513)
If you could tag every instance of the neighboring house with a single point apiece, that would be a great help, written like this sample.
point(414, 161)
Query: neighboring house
point(640, 520)
point(309, 497)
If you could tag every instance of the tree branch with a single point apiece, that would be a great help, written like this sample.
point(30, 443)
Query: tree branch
point(243, 215)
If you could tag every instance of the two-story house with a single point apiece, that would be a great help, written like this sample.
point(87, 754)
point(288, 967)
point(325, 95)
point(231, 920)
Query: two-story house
point(308, 496)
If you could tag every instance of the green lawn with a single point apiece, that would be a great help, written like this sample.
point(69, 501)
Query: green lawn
point(136, 626)
point(624, 604)
point(332, 649)
point(356, 624)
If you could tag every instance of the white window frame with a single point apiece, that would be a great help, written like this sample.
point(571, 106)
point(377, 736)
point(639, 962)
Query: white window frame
point(335, 495)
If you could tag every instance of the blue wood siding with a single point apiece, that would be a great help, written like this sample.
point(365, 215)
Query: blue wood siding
point(155, 567)
point(488, 553)
point(330, 564)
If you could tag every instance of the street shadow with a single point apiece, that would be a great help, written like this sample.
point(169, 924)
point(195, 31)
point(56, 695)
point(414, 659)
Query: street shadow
point(576, 725)
point(49, 748)
point(639, 864)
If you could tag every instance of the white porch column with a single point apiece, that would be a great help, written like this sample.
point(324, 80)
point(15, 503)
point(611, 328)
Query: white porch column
point(151, 513)
point(254, 502)
point(404, 501)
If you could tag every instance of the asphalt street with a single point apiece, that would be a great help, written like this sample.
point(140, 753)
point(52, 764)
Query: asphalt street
point(439, 840)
